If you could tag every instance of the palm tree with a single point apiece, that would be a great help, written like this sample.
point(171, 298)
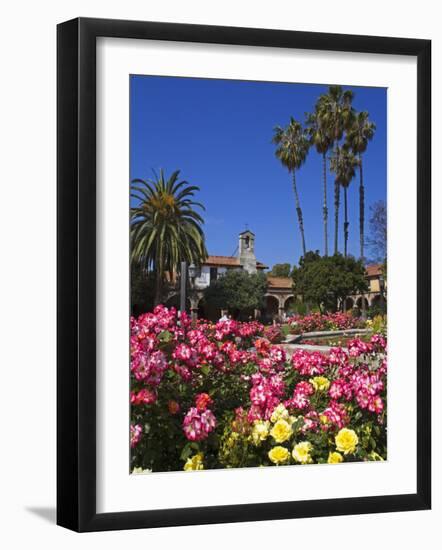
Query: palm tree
point(165, 228)
point(320, 138)
point(358, 136)
point(335, 116)
point(292, 148)
point(335, 111)
point(343, 164)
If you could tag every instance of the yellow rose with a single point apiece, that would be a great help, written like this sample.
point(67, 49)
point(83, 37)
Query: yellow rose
point(260, 431)
point(195, 462)
point(375, 456)
point(278, 455)
point(231, 440)
point(301, 452)
point(320, 383)
point(335, 458)
point(346, 441)
point(279, 413)
point(281, 431)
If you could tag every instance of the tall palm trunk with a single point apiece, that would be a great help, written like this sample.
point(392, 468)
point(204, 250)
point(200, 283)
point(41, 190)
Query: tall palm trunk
point(361, 210)
point(346, 222)
point(361, 221)
point(324, 206)
point(337, 201)
point(299, 212)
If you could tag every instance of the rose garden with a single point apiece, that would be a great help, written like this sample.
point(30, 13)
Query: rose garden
point(233, 394)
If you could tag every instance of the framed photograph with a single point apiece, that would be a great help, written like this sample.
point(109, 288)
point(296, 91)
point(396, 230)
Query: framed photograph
point(238, 339)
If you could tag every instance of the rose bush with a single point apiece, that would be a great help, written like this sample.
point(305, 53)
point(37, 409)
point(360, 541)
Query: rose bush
point(319, 321)
point(222, 395)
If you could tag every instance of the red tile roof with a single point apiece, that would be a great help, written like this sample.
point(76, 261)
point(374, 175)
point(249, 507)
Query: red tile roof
point(280, 282)
point(374, 270)
point(231, 261)
point(222, 261)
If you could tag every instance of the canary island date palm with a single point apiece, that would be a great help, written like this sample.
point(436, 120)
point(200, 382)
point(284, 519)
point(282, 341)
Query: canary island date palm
point(292, 146)
point(320, 139)
point(165, 228)
point(343, 164)
point(359, 134)
point(335, 114)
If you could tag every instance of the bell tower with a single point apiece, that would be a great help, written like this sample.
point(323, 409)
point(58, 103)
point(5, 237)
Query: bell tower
point(246, 249)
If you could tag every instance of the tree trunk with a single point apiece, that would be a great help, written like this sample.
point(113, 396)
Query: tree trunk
point(158, 288)
point(158, 279)
point(337, 201)
point(361, 210)
point(299, 212)
point(324, 207)
point(361, 223)
point(346, 222)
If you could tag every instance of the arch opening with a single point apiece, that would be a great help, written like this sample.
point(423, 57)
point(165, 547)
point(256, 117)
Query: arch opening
point(270, 310)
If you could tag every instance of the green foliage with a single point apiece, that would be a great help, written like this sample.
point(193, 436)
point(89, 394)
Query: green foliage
point(376, 310)
point(292, 145)
point(360, 132)
point(238, 291)
point(320, 138)
point(325, 281)
point(343, 164)
point(165, 227)
point(298, 308)
point(379, 324)
point(280, 270)
point(354, 312)
point(335, 115)
point(317, 132)
point(142, 287)
point(335, 112)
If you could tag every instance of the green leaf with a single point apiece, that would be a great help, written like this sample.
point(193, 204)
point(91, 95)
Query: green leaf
point(165, 336)
point(186, 452)
point(205, 369)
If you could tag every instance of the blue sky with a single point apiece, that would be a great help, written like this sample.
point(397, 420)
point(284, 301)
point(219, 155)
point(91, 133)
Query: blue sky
point(218, 133)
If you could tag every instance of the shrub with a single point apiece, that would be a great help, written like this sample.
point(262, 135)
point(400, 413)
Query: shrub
point(223, 395)
point(330, 321)
point(378, 324)
point(300, 308)
point(377, 309)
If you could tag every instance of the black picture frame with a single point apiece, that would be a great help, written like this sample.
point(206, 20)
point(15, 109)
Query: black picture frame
point(76, 274)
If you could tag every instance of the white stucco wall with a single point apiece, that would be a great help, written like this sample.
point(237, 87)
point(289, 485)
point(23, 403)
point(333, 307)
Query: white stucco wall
point(203, 280)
